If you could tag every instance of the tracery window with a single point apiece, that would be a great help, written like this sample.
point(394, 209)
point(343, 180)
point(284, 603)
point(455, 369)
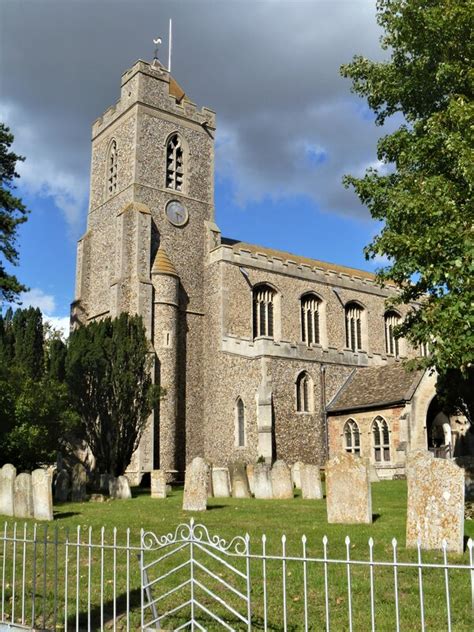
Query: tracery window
point(352, 437)
point(304, 393)
point(263, 311)
point(381, 437)
point(354, 326)
point(240, 421)
point(310, 322)
point(174, 163)
point(392, 319)
point(112, 163)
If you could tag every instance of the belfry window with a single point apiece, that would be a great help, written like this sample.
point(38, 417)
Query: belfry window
point(352, 437)
point(392, 347)
point(354, 326)
point(263, 311)
point(381, 437)
point(240, 422)
point(304, 393)
point(112, 169)
point(310, 323)
point(174, 163)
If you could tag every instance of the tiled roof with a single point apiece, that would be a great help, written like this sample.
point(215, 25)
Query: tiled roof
point(376, 387)
point(163, 264)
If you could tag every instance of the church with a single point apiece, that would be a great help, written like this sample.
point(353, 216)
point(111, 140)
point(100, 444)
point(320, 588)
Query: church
point(263, 354)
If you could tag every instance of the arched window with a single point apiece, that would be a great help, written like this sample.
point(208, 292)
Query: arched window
point(352, 437)
point(381, 440)
point(174, 163)
point(354, 326)
point(424, 349)
point(112, 169)
point(310, 321)
point(392, 347)
point(263, 311)
point(240, 423)
point(304, 393)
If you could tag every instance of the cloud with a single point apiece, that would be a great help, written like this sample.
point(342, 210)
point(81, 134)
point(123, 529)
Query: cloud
point(37, 298)
point(59, 323)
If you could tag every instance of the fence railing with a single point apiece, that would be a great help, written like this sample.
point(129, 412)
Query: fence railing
point(57, 579)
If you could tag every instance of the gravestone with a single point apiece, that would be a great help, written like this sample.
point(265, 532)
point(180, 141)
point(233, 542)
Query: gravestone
point(119, 488)
point(78, 483)
point(435, 506)
point(262, 481)
point(282, 487)
point(296, 474)
point(23, 496)
point(220, 482)
point(373, 474)
point(348, 493)
point(104, 480)
point(195, 485)
point(158, 484)
point(251, 476)
point(42, 483)
point(62, 487)
point(311, 488)
point(239, 480)
point(210, 488)
point(7, 489)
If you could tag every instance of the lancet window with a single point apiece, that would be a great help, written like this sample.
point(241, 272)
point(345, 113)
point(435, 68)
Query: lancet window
point(310, 322)
point(174, 163)
point(263, 311)
point(304, 393)
point(112, 164)
point(381, 437)
point(352, 437)
point(240, 422)
point(354, 326)
point(392, 347)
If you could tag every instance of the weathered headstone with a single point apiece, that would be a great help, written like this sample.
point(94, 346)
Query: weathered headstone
point(348, 493)
point(23, 496)
point(195, 485)
point(7, 489)
point(158, 484)
point(373, 474)
point(220, 482)
point(62, 487)
point(311, 487)
point(262, 481)
point(251, 476)
point(78, 483)
point(435, 506)
point(104, 480)
point(296, 474)
point(42, 483)
point(282, 487)
point(119, 488)
point(239, 480)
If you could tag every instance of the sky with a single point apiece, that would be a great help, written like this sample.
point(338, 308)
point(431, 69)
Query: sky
point(288, 127)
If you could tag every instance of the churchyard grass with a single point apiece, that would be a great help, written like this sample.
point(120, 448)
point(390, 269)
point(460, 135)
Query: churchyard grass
point(229, 517)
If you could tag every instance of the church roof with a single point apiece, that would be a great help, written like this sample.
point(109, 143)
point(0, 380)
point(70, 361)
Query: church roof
point(163, 264)
point(375, 387)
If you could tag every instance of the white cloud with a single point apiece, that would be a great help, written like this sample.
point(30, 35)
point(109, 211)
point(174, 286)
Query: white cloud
point(60, 323)
point(37, 298)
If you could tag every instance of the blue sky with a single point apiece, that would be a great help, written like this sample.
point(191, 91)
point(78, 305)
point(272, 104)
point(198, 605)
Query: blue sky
point(288, 126)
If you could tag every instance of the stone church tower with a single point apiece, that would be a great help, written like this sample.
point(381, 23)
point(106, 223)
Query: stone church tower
point(149, 227)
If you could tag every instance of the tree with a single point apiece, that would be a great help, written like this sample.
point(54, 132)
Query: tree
point(108, 370)
point(12, 213)
point(423, 195)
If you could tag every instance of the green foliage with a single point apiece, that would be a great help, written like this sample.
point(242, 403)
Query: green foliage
point(455, 390)
point(109, 375)
point(12, 213)
point(424, 194)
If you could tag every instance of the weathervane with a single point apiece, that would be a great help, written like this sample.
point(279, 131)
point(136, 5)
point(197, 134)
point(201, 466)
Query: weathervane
point(157, 42)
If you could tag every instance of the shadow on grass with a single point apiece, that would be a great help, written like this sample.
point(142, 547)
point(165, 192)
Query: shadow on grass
point(375, 517)
point(59, 515)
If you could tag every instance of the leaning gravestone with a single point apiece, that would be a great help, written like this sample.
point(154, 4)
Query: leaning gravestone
point(158, 484)
point(348, 493)
point(78, 483)
point(435, 508)
point(62, 487)
point(296, 474)
point(262, 481)
point(42, 484)
point(195, 485)
point(240, 482)
point(311, 488)
point(23, 496)
point(251, 476)
point(119, 488)
point(282, 486)
point(7, 489)
point(220, 482)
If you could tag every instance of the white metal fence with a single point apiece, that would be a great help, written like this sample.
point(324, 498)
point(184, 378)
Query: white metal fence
point(55, 579)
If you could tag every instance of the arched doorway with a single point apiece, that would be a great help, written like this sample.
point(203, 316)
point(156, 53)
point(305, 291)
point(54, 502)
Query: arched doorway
point(438, 431)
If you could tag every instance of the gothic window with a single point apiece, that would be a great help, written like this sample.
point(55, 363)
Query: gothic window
point(174, 163)
point(310, 322)
point(240, 422)
point(392, 347)
point(354, 326)
point(112, 169)
point(424, 350)
point(304, 393)
point(263, 311)
point(352, 437)
point(381, 440)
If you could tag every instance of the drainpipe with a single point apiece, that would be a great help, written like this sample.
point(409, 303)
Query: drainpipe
point(324, 417)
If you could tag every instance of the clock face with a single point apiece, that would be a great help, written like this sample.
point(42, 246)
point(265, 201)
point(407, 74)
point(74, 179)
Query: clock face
point(176, 213)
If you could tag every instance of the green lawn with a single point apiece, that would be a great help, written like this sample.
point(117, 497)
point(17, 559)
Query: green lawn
point(229, 518)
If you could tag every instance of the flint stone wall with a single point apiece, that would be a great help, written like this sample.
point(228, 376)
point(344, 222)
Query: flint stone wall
point(348, 492)
point(195, 485)
point(7, 489)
